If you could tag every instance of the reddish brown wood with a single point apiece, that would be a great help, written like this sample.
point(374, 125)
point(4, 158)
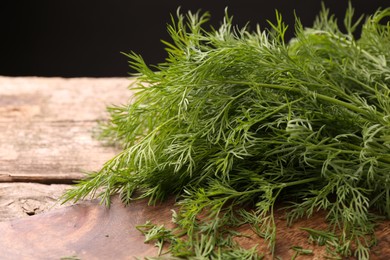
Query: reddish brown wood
point(88, 231)
point(92, 231)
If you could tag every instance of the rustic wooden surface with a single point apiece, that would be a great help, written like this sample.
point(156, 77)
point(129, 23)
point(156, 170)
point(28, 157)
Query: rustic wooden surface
point(46, 129)
point(18, 200)
point(84, 231)
point(46, 142)
point(46, 126)
point(92, 231)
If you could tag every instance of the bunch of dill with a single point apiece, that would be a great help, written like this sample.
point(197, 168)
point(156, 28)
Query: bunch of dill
point(236, 119)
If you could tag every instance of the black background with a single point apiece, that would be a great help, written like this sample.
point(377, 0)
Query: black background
point(85, 37)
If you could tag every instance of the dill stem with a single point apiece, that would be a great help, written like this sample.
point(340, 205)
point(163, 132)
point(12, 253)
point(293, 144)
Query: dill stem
point(298, 90)
point(299, 182)
point(282, 185)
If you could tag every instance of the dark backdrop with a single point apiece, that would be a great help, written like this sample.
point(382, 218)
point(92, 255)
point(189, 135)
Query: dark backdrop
point(75, 38)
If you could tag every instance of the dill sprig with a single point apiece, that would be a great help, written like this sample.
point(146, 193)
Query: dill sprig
point(237, 119)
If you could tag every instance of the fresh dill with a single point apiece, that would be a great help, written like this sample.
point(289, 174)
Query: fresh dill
point(237, 119)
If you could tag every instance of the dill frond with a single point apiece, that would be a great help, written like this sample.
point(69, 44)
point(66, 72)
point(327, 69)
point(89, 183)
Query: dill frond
point(236, 118)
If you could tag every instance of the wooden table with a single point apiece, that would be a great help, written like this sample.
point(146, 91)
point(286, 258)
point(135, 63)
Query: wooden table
point(46, 141)
point(46, 127)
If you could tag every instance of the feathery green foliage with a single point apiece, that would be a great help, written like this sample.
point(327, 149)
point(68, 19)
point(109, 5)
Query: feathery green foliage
point(237, 119)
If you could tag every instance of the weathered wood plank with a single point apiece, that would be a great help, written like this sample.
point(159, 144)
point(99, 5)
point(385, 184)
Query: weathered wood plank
point(18, 200)
point(49, 152)
point(87, 230)
point(46, 126)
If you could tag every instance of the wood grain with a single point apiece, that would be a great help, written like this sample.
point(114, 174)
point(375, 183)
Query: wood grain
point(20, 200)
point(46, 126)
point(87, 230)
